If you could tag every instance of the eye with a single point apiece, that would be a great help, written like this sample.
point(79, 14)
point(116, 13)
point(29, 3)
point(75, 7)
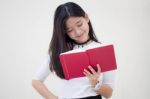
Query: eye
point(79, 25)
point(69, 30)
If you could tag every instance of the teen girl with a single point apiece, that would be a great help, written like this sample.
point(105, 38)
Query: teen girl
point(73, 30)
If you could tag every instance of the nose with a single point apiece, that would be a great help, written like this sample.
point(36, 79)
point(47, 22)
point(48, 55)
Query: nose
point(78, 32)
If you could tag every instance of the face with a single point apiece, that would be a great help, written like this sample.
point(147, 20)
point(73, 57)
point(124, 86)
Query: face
point(78, 29)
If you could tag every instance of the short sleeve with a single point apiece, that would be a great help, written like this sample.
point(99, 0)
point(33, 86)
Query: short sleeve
point(109, 78)
point(43, 71)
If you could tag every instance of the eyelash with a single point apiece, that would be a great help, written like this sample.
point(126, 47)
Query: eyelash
point(69, 31)
point(79, 25)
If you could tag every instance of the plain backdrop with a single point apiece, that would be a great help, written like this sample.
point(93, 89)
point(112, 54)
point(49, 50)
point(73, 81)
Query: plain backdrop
point(25, 33)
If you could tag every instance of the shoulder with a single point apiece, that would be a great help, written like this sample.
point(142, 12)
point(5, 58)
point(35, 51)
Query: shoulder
point(43, 71)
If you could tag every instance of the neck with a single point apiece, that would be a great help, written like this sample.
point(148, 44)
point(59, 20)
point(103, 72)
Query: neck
point(83, 42)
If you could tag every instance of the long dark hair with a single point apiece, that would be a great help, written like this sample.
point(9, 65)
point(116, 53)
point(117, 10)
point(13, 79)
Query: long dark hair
point(60, 41)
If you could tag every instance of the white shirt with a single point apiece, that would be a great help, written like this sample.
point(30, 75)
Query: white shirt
point(76, 87)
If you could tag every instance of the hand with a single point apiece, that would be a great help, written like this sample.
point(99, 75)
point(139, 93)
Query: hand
point(93, 75)
point(55, 97)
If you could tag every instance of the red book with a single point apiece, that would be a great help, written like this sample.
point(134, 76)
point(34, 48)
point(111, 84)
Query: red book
point(75, 61)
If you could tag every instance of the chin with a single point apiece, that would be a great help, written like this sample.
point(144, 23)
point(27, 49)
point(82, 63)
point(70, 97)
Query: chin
point(82, 39)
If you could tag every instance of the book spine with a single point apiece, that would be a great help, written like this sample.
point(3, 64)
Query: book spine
point(66, 73)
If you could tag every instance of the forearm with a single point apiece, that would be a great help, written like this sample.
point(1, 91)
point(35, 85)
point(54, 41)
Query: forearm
point(105, 91)
point(43, 90)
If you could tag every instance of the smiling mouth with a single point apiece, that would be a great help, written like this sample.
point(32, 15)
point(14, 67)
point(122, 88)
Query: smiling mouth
point(80, 36)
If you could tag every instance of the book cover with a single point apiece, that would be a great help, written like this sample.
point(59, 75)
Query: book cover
point(75, 61)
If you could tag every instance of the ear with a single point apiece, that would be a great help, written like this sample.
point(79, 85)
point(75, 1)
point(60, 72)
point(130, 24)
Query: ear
point(87, 18)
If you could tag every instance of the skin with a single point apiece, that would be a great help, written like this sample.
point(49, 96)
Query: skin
point(78, 30)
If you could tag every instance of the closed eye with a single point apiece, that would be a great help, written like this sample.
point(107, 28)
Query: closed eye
point(79, 25)
point(70, 30)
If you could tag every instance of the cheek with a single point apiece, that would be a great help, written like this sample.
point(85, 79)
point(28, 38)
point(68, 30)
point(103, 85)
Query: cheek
point(71, 35)
point(86, 27)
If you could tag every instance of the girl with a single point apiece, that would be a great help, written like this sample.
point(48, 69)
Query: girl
point(73, 30)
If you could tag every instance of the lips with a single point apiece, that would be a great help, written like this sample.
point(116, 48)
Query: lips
point(80, 35)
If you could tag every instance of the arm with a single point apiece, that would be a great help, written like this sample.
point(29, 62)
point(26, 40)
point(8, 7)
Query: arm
point(105, 91)
point(43, 90)
point(106, 88)
point(107, 84)
point(39, 77)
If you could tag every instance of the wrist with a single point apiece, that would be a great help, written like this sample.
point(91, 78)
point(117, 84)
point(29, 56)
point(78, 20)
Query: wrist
point(98, 85)
point(93, 84)
point(52, 97)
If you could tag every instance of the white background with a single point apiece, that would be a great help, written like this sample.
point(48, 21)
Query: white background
point(25, 33)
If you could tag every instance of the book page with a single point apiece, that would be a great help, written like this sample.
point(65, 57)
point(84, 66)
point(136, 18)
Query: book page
point(73, 51)
point(84, 50)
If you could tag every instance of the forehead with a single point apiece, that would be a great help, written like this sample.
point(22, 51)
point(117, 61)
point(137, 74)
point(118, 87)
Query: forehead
point(72, 21)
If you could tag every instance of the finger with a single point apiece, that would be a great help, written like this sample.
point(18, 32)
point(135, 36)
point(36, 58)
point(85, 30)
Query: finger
point(92, 70)
point(87, 73)
point(98, 68)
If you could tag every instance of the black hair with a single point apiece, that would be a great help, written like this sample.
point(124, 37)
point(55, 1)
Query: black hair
point(60, 41)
